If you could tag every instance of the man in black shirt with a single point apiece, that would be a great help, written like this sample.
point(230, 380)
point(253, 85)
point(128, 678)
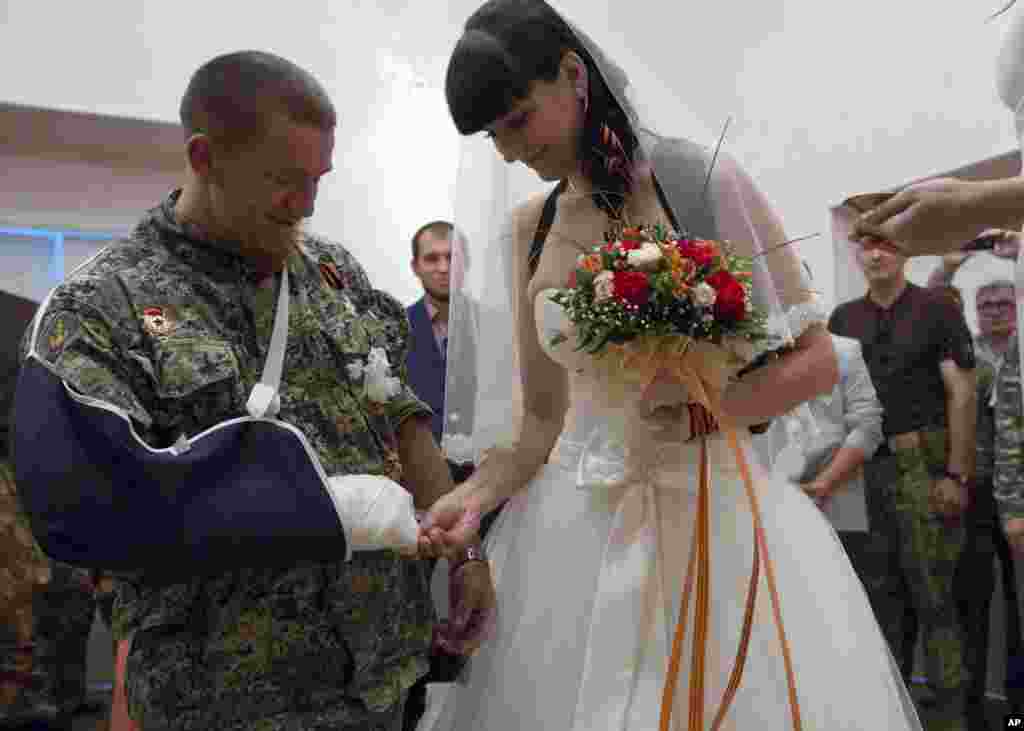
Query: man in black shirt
point(920, 356)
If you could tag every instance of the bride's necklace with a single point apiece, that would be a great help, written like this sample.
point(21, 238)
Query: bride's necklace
point(613, 225)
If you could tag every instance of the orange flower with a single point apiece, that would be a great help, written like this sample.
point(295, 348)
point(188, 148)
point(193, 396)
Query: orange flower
point(681, 287)
point(681, 270)
point(684, 266)
point(711, 245)
point(591, 263)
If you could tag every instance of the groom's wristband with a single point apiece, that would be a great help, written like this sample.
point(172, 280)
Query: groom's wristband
point(473, 553)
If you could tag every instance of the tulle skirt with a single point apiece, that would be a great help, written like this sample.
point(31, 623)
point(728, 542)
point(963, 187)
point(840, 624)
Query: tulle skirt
point(589, 578)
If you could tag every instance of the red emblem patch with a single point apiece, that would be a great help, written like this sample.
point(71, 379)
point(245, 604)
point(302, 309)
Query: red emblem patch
point(157, 321)
point(330, 275)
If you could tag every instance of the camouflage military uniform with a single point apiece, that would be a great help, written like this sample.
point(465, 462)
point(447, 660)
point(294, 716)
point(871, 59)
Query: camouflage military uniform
point(985, 429)
point(1008, 481)
point(46, 613)
point(1009, 443)
point(175, 332)
point(908, 520)
point(975, 579)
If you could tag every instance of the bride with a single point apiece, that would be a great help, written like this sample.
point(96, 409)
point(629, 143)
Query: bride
point(591, 549)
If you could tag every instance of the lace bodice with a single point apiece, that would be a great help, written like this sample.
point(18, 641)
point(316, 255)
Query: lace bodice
point(587, 406)
point(551, 322)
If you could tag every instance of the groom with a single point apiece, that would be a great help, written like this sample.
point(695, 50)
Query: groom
point(245, 623)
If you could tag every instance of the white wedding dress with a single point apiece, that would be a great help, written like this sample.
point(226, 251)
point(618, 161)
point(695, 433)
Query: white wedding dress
point(589, 569)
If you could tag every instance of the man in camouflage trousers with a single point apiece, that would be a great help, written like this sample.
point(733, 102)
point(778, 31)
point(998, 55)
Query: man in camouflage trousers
point(975, 580)
point(172, 327)
point(46, 614)
point(995, 307)
point(920, 356)
point(1009, 447)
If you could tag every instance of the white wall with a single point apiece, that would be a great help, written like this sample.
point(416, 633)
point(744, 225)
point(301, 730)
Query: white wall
point(828, 98)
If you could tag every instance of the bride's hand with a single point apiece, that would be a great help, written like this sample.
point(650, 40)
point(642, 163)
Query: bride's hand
point(819, 491)
point(666, 390)
point(662, 408)
point(451, 524)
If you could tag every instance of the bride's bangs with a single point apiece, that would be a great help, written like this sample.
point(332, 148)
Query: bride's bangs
point(482, 83)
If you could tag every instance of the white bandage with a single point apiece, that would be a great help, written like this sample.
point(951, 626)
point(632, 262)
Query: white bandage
point(375, 512)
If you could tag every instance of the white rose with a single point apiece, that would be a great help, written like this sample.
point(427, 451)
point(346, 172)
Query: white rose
point(604, 286)
point(704, 294)
point(645, 258)
point(380, 385)
point(383, 389)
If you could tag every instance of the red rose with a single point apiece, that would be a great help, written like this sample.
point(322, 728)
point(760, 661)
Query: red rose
point(730, 298)
point(700, 253)
point(631, 287)
point(629, 245)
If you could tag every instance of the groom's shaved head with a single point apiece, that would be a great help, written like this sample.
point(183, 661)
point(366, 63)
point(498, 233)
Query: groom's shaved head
point(233, 97)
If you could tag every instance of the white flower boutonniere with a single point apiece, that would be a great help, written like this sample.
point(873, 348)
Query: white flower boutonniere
point(378, 383)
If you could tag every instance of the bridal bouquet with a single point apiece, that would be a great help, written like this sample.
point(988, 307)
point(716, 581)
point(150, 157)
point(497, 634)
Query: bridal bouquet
point(649, 299)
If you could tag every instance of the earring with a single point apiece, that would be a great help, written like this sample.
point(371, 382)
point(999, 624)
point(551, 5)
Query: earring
point(615, 160)
point(582, 89)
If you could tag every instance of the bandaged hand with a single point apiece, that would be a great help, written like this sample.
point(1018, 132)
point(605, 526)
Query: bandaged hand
point(375, 512)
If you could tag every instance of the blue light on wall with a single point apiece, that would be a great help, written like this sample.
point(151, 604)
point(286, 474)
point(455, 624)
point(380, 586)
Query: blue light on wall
point(56, 239)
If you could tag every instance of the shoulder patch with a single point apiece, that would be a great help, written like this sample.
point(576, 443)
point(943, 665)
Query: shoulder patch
point(56, 333)
point(159, 321)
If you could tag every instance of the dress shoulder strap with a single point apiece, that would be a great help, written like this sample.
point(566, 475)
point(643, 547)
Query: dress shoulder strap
point(547, 215)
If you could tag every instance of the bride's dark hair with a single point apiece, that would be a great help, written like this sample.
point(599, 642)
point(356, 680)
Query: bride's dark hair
point(508, 44)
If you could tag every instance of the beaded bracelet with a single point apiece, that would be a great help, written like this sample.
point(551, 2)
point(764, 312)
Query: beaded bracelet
point(473, 553)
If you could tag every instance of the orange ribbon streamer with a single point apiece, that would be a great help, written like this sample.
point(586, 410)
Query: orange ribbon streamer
point(698, 572)
point(701, 367)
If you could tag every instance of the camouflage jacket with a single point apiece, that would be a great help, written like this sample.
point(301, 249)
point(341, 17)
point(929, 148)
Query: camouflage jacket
point(175, 332)
point(988, 364)
point(1009, 440)
point(985, 352)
